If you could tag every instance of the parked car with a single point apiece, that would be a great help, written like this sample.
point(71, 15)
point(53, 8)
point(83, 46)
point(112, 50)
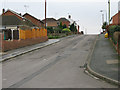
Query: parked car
point(106, 35)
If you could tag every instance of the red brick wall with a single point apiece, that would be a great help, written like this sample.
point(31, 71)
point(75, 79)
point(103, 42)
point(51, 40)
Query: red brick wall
point(65, 22)
point(116, 19)
point(52, 23)
point(36, 22)
point(9, 45)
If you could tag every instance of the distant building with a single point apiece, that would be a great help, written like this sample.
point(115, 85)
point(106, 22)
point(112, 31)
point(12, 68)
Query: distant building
point(64, 21)
point(34, 20)
point(51, 22)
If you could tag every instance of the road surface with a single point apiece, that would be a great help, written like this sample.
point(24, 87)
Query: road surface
point(55, 66)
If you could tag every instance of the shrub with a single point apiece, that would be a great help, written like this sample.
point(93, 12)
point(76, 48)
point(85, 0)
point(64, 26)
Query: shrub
point(113, 29)
point(113, 32)
point(66, 31)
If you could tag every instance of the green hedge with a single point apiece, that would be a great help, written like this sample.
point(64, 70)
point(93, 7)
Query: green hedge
point(112, 30)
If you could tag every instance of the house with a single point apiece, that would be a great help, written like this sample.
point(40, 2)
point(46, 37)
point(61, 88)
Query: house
point(116, 19)
point(64, 21)
point(51, 22)
point(13, 25)
point(18, 31)
point(34, 20)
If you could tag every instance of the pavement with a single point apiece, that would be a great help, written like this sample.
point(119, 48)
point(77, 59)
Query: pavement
point(16, 52)
point(103, 62)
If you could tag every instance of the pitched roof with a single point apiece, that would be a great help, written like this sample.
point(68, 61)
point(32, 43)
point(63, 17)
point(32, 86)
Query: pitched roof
point(63, 19)
point(13, 20)
point(17, 14)
point(49, 19)
point(10, 20)
point(32, 17)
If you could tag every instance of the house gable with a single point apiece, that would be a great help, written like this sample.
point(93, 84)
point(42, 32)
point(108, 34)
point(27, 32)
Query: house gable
point(34, 20)
point(10, 12)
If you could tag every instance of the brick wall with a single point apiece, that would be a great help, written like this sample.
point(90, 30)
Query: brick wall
point(9, 45)
point(116, 19)
point(35, 21)
point(66, 23)
point(52, 23)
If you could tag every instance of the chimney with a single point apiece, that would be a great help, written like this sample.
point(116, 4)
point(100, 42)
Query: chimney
point(20, 14)
point(3, 11)
point(69, 16)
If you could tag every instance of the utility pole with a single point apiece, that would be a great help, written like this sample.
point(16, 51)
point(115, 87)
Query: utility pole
point(45, 13)
point(109, 11)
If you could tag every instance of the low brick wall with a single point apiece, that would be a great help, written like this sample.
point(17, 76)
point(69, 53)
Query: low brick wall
point(9, 45)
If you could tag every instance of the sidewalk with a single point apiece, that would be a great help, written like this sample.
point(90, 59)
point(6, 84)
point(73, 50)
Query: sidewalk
point(16, 52)
point(104, 61)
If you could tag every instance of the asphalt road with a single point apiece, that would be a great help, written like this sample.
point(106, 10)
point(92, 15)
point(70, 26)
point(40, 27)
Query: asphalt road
point(55, 66)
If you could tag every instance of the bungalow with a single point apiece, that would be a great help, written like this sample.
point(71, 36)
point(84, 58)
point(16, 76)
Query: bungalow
point(13, 25)
point(51, 22)
point(64, 21)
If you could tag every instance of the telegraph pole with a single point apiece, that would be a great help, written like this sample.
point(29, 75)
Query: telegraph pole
point(45, 13)
point(109, 11)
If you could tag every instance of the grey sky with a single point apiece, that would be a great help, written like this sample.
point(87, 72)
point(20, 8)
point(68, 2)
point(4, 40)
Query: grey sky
point(85, 12)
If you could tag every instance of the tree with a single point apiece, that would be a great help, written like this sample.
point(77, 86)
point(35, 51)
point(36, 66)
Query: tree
point(50, 30)
point(64, 26)
point(104, 26)
point(73, 28)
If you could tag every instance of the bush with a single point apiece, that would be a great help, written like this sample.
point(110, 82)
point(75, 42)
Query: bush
point(66, 31)
point(115, 35)
point(113, 32)
point(113, 29)
point(53, 37)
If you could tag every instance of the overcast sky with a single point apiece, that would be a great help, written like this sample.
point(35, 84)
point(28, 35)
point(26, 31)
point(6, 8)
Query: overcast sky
point(85, 12)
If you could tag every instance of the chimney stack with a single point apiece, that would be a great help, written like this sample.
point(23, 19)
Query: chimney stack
point(3, 11)
point(69, 16)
